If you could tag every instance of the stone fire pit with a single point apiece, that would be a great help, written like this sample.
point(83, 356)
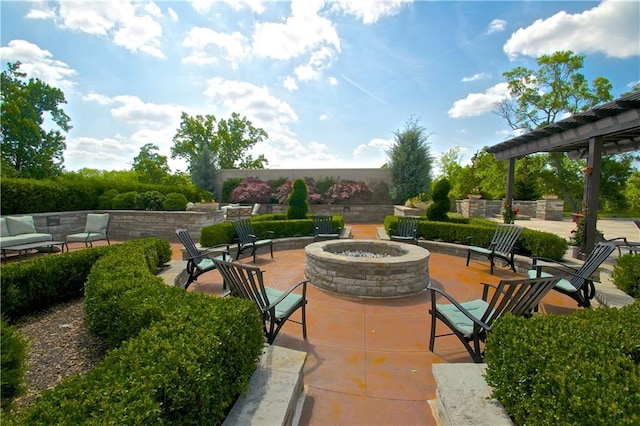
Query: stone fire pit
point(367, 268)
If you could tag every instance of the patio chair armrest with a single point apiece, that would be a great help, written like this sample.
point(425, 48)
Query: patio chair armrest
point(567, 271)
point(211, 250)
point(458, 306)
point(272, 234)
point(288, 292)
point(485, 290)
point(253, 237)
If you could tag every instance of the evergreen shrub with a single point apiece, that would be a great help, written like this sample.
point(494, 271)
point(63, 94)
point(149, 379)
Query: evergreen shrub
point(578, 369)
point(441, 205)
point(13, 364)
point(175, 202)
point(126, 201)
point(626, 274)
point(149, 200)
point(298, 205)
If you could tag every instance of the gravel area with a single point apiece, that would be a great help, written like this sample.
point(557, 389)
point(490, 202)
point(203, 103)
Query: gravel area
point(59, 346)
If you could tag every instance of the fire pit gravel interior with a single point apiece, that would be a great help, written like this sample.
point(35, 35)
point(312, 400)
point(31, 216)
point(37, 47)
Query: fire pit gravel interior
point(367, 268)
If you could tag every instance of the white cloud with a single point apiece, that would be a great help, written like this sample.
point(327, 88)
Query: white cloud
point(496, 26)
point(172, 14)
point(318, 62)
point(370, 11)
point(479, 103)
point(290, 84)
point(302, 32)
point(205, 42)
point(476, 77)
point(106, 154)
point(612, 28)
point(38, 63)
point(205, 6)
point(256, 102)
point(324, 117)
point(98, 98)
point(130, 25)
point(375, 148)
point(333, 81)
point(134, 111)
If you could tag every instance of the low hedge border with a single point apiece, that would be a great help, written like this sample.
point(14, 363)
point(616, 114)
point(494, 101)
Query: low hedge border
point(582, 368)
point(480, 231)
point(223, 233)
point(177, 357)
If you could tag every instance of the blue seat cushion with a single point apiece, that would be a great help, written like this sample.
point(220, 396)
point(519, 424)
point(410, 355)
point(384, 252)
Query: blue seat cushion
point(287, 305)
point(562, 284)
point(459, 320)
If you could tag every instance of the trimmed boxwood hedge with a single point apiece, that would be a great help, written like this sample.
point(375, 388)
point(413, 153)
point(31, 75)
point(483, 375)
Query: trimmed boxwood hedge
point(479, 233)
point(578, 369)
point(223, 233)
point(626, 274)
point(177, 357)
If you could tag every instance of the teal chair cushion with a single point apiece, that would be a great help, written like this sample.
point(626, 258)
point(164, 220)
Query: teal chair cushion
point(284, 308)
point(460, 321)
point(562, 284)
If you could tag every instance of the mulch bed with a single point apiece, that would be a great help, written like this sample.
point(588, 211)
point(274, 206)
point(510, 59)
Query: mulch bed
point(59, 346)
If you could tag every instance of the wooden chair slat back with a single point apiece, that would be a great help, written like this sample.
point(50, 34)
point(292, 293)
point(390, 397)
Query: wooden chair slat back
point(600, 253)
point(244, 281)
point(520, 297)
point(186, 240)
point(324, 224)
point(407, 226)
point(244, 229)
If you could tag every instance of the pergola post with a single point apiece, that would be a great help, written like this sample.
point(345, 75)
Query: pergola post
point(511, 169)
point(591, 191)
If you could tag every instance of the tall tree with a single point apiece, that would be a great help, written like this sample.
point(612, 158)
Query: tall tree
point(26, 147)
point(544, 95)
point(228, 141)
point(203, 172)
point(410, 162)
point(150, 166)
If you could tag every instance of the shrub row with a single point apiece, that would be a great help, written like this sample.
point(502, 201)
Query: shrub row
point(626, 274)
point(18, 196)
point(579, 369)
point(479, 232)
point(178, 357)
point(13, 358)
point(223, 233)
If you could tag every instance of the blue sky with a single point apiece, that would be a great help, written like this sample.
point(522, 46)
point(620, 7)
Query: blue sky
point(330, 81)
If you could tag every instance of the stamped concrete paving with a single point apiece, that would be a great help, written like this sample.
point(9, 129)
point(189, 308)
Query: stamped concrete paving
point(368, 361)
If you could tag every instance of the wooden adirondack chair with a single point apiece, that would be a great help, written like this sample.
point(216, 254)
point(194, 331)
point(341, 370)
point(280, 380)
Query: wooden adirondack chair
point(472, 320)
point(247, 239)
point(407, 230)
point(323, 228)
point(576, 283)
point(275, 306)
point(502, 245)
point(198, 261)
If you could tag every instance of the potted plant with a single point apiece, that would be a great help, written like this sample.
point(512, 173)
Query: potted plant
point(576, 239)
point(420, 201)
point(475, 193)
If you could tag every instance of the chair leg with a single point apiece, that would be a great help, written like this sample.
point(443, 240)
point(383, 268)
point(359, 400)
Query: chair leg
point(491, 262)
point(304, 320)
point(432, 339)
point(468, 256)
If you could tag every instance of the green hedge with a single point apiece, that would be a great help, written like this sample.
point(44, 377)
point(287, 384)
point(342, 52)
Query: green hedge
point(177, 357)
point(25, 196)
point(626, 274)
point(223, 233)
point(479, 232)
point(578, 369)
point(13, 356)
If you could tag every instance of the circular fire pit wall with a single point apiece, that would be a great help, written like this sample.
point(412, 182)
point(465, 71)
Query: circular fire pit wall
point(367, 268)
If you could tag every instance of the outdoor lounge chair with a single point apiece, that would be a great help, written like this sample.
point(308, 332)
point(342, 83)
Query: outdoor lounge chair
point(247, 239)
point(323, 228)
point(198, 261)
point(96, 228)
point(502, 245)
point(275, 306)
point(578, 283)
point(407, 230)
point(472, 320)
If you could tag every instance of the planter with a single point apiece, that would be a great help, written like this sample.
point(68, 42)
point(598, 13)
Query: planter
point(575, 252)
point(474, 196)
point(549, 197)
point(421, 205)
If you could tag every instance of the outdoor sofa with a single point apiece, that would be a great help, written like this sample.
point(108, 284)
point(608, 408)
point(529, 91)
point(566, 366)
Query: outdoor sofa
point(19, 230)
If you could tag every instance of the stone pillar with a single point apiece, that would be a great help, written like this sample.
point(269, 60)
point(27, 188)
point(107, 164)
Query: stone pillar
point(549, 209)
point(474, 207)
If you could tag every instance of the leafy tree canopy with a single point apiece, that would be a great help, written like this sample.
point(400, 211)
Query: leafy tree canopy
point(228, 141)
point(150, 166)
point(29, 150)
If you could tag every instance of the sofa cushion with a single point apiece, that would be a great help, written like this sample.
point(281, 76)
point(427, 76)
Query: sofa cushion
point(18, 225)
point(97, 223)
point(16, 240)
point(4, 231)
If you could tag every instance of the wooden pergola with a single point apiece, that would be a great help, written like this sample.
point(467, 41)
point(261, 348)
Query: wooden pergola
point(607, 129)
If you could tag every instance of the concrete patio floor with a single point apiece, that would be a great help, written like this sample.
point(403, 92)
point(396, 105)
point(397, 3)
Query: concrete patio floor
point(368, 361)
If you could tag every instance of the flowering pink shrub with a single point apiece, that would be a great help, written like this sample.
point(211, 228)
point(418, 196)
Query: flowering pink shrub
point(252, 190)
point(348, 190)
point(283, 191)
